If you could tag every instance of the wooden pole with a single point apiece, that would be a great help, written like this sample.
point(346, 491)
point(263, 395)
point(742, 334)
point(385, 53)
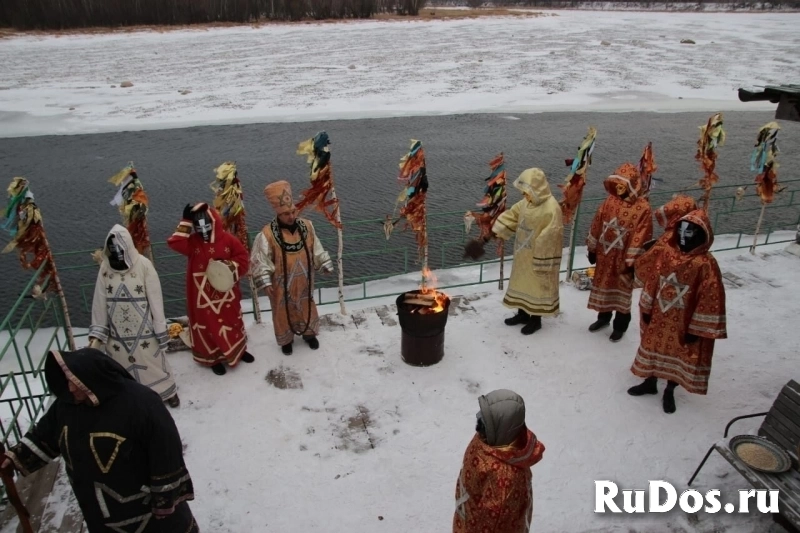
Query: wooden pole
point(253, 290)
point(502, 260)
point(340, 237)
point(572, 233)
point(60, 292)
point(758, 228)
point(13, 496)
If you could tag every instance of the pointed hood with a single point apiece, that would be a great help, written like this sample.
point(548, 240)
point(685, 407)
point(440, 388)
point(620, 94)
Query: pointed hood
point(670, 213)
point(534, 182)
point(123, 237)
point(216, 220)
point(627, 175)
point(700, 217)
point(96, 374)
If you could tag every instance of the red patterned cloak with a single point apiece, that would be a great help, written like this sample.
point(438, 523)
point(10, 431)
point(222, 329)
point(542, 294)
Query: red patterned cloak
point(667, 217)
point(619, 230)
point(494, 493)
point(215, 318)
point(685, 295)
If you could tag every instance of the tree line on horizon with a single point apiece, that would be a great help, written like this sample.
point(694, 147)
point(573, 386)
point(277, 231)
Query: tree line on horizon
point(64, 14)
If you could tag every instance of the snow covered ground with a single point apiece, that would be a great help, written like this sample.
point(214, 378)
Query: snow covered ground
point(358, 441)
point(315, 71)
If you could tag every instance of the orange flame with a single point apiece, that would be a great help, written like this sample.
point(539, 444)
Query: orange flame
point(429, 287)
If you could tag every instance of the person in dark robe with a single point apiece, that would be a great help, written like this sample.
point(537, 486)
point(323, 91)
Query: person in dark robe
point(120, 446)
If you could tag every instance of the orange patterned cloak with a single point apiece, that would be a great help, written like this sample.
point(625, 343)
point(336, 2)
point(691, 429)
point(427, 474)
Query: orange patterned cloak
point(618, 233)
point(494, 493)
point(684, 295)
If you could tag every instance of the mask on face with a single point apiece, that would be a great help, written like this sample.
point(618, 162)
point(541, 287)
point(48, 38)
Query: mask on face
point(690, 236)
point(202, 225)
point(116, 254)
point(622, 190)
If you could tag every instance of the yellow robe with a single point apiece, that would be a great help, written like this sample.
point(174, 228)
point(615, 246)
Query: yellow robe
point(538, 230)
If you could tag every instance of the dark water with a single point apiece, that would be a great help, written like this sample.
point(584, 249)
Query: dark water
point(69, 176)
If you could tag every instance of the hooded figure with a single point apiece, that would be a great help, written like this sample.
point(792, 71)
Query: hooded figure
point(667, 217)
point(621, 226)
point(284, 257)
point(536, 224)
point(494, 491)
point(128, 315)
point(122, 452)
point(215, 318)
point(683, 312)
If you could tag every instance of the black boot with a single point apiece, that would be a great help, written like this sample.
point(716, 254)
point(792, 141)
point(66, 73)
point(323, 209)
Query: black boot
point(668, 402)
point(621, 321)
point(603, 319)
point(219, 369)
point(648, 386)
point(247, 357)
point(520, 318)
point(534, 324)
point(287, 349)
point(173, 401)
point(312, 341)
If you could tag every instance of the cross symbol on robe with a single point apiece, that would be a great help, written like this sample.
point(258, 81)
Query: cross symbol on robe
point(680, 290)
point(619, 232)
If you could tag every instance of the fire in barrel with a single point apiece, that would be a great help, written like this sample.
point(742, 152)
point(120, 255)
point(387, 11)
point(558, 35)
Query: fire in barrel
point(423, 317)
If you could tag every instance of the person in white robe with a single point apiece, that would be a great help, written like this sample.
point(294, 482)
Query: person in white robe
point(128, 320)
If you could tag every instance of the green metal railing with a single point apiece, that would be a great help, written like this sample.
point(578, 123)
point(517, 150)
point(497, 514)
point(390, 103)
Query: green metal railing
point(30, 329)
point(32, 326)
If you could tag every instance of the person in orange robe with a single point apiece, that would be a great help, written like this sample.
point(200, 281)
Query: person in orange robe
point(683, 312)
point(494, 492)
point(620, 228)
point(284, 257)
point(667, 217)
point(215, 318)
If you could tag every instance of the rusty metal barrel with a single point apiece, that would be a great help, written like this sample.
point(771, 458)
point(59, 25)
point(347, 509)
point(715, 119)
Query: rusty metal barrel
point(422, 341)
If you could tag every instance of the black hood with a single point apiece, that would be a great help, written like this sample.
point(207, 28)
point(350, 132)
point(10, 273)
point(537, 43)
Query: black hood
point(99, 376)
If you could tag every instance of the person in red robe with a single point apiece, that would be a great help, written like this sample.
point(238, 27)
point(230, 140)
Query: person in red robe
point(620, 228)
point(215, 318)
point(667, 217)
point(683, 312)
point(494, 492)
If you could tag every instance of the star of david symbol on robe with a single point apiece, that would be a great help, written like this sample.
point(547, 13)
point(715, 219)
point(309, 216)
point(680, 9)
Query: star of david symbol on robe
point(619, 233)
point(211, 299)
point(524, 237)
point(299, 270)
point(130, 317)
point(670, 287)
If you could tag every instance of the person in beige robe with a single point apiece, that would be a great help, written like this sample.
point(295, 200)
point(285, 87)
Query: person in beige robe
point(536, 224)
point(283, 260)
point(128, 320)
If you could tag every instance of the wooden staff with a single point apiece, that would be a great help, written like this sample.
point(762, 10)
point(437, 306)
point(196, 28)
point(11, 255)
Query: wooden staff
point(13, 496)
point(758, 227)
point(60, 292)
point(502, 260)
point(340, 249)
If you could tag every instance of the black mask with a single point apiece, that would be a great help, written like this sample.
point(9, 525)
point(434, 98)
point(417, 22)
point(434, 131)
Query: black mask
point(202, 225)
point(689, 236)
point(116, 254)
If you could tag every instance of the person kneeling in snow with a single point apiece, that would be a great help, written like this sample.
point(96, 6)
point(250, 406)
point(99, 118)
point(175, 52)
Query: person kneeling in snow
point(121, 449)
point(683, 312)
point(494, 491)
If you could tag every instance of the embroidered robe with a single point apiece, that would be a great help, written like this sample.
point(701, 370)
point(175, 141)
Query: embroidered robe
point(494, 492)
point(286, 261)
point(123, 454)
point(619, 230)
point(685, 295)
point(538, 232)
point(215, 318)
point(128, 317)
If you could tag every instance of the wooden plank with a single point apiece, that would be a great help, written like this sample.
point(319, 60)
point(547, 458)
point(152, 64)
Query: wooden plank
point(792, 391)
point(774, 434)
point(791, 426)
